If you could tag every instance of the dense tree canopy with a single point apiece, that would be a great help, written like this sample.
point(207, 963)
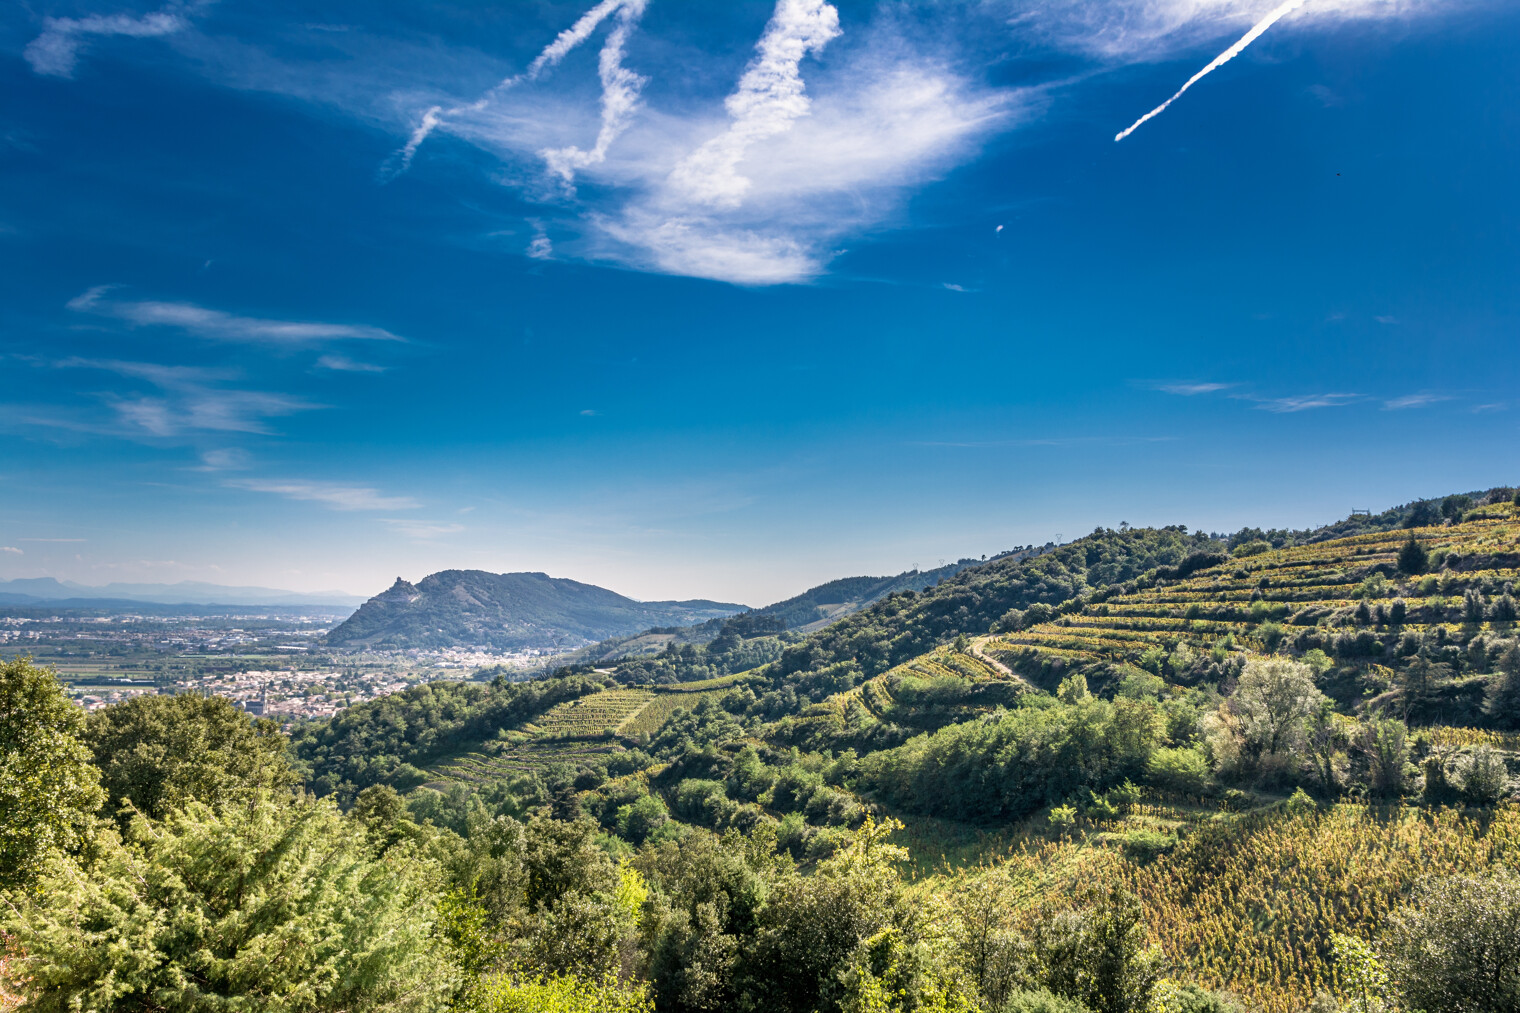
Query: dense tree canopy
point(157, 752)
point(48, 789)
point(272, 905)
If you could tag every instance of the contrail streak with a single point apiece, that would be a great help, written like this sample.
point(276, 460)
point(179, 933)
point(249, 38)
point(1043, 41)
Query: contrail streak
point(1218, 61)
point(553, 53)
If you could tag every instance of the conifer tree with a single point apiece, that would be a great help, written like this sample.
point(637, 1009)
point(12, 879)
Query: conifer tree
point(1413, 558)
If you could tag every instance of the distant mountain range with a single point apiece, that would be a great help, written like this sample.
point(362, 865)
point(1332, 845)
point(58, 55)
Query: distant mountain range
point(46, 590)
point(508, 611)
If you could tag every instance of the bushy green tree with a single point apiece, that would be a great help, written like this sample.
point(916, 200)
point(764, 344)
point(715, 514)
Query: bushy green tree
point(708, 894)
point(814, 933)
point(1011, 763)
point(264, 905)
point(1274, 699)
point(48, 788)
point(160, 751)
point(1097, 954)
point(1361, 975)
point(1185, 769)
point(640, 818)
point(1456, 947)
point(1384, 747)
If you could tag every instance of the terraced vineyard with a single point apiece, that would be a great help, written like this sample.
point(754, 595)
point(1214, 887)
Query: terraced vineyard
point(577, 731)
point(1345, 596)
point(926, 692)
point(599, 714)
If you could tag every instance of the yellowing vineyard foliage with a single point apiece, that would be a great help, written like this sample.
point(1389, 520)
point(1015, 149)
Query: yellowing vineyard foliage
point(1249, 903)
point(1217, 601)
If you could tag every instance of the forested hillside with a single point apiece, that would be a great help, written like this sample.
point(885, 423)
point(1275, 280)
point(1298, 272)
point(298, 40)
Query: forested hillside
point(1148, 771)
point(761, 628)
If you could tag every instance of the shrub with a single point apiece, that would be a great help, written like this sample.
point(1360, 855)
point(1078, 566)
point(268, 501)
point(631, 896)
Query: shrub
point(1178, 997)
point(1143, 685)
point(1300, 802)
point(1041, 1001)
point(1483, 776)
point(1251, 548)
point(1063, 815)
point(1318, 661)
point(1185, 770)
point(1472, 606)
point(1144, 845)
point(557, 994)
point(1098, 955)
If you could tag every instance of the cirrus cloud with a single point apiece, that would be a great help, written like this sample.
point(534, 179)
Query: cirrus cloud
point(337, 495)
point(217, 325)
point(55, 52)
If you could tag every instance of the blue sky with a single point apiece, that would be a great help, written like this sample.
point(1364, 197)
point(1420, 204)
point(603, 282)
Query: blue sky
point(727, 300)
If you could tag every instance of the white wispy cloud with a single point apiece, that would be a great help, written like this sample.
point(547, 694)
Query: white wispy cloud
point(224, 459)
point(223, 411)
point(883, 121)
point(422, 531)
point(55, 52)
point(1193, 389)
point(620, 98)
point(799, 154)
point(620, 91)
point(189, 400)
point(216, 325)
point(337, 495)
point(541, 247)
point(1414, 401)
point(11, 548)
point(819, 140)
point(1120, 32)
point(343, 364)
point(1302, 402)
